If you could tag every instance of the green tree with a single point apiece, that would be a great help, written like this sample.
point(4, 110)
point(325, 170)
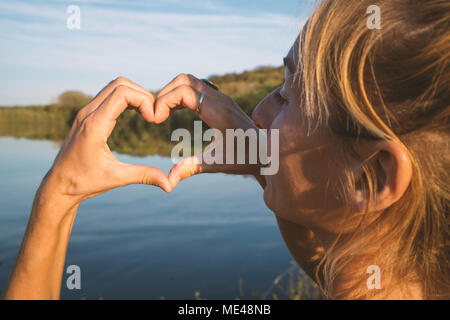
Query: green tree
point(73, 100)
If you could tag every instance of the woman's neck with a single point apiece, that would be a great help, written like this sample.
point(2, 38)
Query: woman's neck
point(365, 278)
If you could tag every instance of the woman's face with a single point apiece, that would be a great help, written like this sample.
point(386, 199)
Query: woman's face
point(303, 190)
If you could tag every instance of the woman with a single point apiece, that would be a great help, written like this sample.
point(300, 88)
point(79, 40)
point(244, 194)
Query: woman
point(363, 181)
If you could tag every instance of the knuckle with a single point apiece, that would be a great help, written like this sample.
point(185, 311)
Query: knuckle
point(147, 178)
point(86, 127)
point(188, 171)
point(160, 100)
point(120, 90)
point(187, 92)
point(185, 88)
point(89, 124)
point(185, 78)
point(80, 115)
point(191, 77)
point(121, 81)
point(180, 77)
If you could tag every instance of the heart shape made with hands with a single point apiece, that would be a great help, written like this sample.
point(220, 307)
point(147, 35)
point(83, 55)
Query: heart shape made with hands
point(183, 92)
point(85, 166)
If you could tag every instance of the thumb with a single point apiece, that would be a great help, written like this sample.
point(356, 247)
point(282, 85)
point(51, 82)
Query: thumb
point(194, 165)
point(184, 169)
point(141, 174)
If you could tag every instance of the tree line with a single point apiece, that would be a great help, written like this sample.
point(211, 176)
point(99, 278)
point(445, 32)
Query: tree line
point(132, 134)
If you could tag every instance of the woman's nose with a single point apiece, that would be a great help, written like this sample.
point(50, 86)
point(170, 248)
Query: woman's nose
point(266, 111)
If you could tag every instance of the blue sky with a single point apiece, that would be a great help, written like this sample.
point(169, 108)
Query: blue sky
point(149, 42)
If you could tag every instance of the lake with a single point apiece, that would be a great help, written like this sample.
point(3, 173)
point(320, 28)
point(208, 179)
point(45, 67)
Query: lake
point(213, 235)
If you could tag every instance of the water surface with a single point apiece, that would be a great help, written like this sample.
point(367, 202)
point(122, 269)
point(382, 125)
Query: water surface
point(138, 242)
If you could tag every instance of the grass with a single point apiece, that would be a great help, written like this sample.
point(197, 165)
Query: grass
point(292, 284)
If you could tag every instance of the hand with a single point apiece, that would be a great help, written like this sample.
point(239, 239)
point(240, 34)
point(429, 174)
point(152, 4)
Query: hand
point(85, 166)
point(218, 110)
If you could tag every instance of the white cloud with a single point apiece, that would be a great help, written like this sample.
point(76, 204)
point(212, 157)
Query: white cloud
point(151, 47)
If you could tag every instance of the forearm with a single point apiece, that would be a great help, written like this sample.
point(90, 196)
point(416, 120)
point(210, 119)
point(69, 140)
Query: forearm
point(84, 168)
point(39, 266)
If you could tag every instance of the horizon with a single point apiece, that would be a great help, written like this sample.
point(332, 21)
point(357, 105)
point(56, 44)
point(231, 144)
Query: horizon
point(147, 42)
point(150, 90)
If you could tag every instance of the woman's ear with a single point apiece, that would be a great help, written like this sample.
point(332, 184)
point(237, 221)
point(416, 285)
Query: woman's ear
point(391, 163)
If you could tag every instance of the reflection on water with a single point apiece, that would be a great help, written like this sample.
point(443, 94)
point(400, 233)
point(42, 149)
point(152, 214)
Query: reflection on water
point(137, 242)
point(132, 134)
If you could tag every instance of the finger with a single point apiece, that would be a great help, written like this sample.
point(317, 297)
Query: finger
point(184, 169)
point(141, 174)
point(118, 101)
point(106, 91)
point(194, 165)
point(182, 79)
point(184, 96)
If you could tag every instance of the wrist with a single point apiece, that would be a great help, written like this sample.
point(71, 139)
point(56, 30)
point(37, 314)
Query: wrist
point(51, 205)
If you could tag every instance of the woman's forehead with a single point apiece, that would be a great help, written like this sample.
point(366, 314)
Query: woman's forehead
point(292, 57)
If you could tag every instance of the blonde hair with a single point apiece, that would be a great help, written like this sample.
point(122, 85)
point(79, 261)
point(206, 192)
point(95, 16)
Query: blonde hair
point(391, 84)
